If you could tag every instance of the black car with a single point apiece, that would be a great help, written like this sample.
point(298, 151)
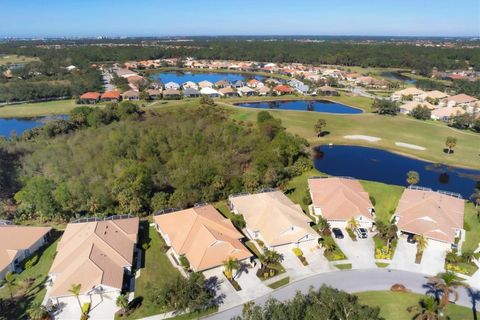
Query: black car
point(337, 233)
point(411, 238)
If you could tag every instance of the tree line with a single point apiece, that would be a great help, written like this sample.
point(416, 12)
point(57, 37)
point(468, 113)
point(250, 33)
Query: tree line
point(140, 164)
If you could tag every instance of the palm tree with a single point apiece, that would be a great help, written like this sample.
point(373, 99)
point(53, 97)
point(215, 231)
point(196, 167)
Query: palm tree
point(329, 244)
point(319, 125)
point(271, 257)
point(475, 197)
point(122, 302)
point(422, 243)
point(10, 280)
point(230, 264)
point(352, 223)
point(413, 177)
point(447, 283)
point(75, 290)
point(450, 143)
point(427, 309)
point(37, 311)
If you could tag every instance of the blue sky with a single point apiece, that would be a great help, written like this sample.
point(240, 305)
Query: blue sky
point(28, 18)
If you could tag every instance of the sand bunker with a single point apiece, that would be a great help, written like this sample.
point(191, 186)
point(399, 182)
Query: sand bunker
point(410, 146)
point(362, 137)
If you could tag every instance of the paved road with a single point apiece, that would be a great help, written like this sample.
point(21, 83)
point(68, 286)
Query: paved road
point(351, 281)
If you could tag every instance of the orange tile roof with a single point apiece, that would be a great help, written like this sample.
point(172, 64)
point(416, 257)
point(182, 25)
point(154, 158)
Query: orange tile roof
point(340, 198)
point(203, 235)
point(283, 88)
point(111, 95)
point(90, 96)
point(432, 214)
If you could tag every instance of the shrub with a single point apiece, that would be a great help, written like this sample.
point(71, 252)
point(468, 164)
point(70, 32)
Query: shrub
point(31, 262)
point(184, 262)
point(85, 310)
point(238, 221)
point(298, 252)
point(384, 253)
point(397, 287)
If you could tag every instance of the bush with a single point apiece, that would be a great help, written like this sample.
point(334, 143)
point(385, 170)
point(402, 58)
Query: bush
point(31, 262)
point(298, 252)
point(238, 221)
point(397, 287)
point(384, 253)
point(184, 262)
point(85, 310)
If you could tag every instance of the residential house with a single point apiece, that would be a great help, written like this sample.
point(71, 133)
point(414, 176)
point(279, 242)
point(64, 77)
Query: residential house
point(328, 91)
point(18, 243)
point(202, 235)
point(407, 108)
point(209, 92)
point(283, 89)
point(90, 98)
point(191, 92)
point(190, 84)
point(463, 100)
point(437, 216)
point(408, 92)
point(131, 95)
point(97, 255)
point(238, 84)
point(205, 84)
point(254, 83)
point(172, 85)
point(246, 92)
point(273, 218)
point(444, 114)
point(340, 199)
point(111, 96)
point(222, 83)
point(171, 94)
point(125, 73)
point(263, 91)
point(431, 95)
point(228, 92)
point(154, 94)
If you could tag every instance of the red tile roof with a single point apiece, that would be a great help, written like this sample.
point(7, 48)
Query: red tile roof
point(90, 96)
point(283, 88)
point(111, 95)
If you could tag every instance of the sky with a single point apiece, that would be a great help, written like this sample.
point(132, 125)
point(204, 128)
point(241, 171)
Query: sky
point(82, 18)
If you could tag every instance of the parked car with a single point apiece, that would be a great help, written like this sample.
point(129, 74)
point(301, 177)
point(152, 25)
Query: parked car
point(337, 233)
point(361, 233)
point(411, 238)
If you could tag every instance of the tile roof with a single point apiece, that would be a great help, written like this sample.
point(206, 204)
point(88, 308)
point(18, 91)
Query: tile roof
point(203, 235)
point(92, 254)
point(433, 214)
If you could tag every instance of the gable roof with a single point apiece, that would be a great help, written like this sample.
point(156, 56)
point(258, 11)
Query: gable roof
point(92, 254)
point(203, 235)
point(432, 214)
point(15, 238)
point(462, 98)
point(409, 91)
point(111, 95)
point(340, 198)
point(90, 96)
point(277, 218)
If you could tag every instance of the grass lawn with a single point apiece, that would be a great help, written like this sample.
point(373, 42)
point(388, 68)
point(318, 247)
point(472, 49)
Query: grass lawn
point(382, 264)
point(223, 208)
point(344, 266)
point(36, 292)
point(251, 245)
point(156, 273)
point(472, 226)
point(297, 187)
point(13, 59)
point(279, 283)
point(429, 134)
point(27, 110)
point(393, 305)
point(386, 198)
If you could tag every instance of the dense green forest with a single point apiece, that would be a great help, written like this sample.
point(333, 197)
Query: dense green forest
point(173, 159)
point(377, 54)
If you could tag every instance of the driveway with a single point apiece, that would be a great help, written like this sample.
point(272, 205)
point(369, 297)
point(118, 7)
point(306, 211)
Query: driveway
point(102, 308)
point(361, 253)
point(352, 281)
point(433, 259)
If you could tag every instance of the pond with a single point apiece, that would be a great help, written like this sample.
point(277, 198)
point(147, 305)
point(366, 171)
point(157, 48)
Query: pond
point(181, 77)
point(392, 75)
point(390, 168)
point(304, 105)
point(20, 125)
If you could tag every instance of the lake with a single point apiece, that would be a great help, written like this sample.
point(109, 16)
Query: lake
point(20, 125)
point(181, 77)
point(392, 75)
point(390, 168)
point(303, 105)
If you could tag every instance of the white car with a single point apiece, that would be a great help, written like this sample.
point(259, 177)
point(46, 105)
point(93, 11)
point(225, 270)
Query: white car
point(361, 233)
